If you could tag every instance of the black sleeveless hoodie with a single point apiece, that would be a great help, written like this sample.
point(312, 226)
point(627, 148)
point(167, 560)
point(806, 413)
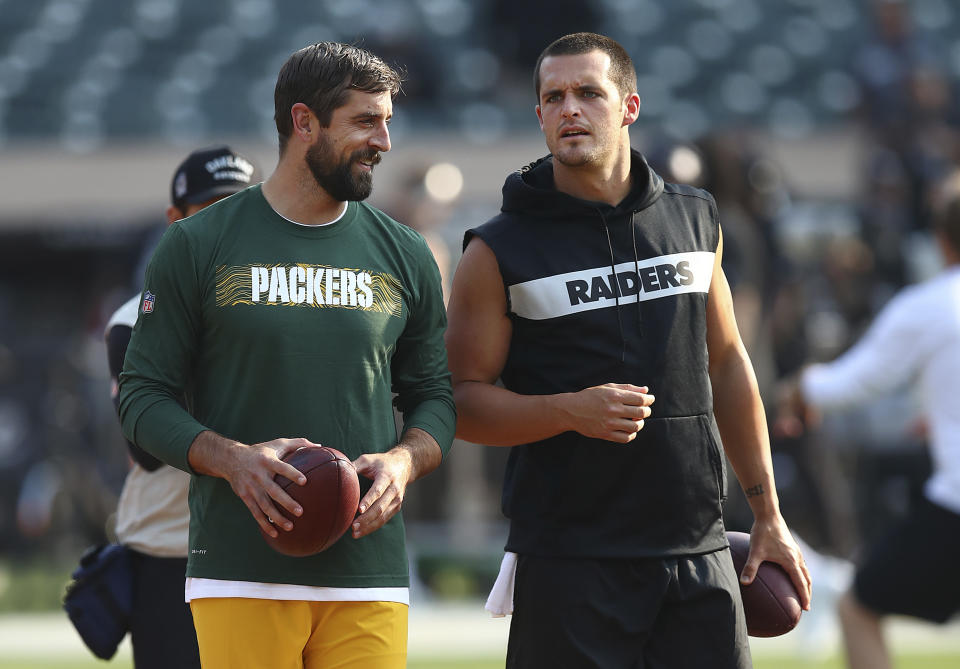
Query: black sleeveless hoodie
point(573, 271)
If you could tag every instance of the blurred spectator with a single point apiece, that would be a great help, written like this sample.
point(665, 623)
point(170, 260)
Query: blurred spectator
point(907, 106)
point(884, 67)
point(742, 182)
point(425, 201)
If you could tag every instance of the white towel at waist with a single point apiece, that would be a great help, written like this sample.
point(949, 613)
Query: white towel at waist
point(500, 600)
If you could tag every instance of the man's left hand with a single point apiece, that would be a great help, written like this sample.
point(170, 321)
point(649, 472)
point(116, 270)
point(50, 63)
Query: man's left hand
point(772, 542)
point(390, 472)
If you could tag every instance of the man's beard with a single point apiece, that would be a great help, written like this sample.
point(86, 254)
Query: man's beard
point(594, 151)
point(580, 156)
point(337, 178)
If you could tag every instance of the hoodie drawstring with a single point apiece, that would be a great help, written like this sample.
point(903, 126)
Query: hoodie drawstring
point(636, 268)
point(616, 286)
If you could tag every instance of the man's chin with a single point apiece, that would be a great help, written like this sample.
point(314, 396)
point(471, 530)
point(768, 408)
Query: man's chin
point(363, 185)
point(573, 157)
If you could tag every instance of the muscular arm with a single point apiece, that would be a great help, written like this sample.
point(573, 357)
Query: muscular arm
point(478, 341)
point(743, 429)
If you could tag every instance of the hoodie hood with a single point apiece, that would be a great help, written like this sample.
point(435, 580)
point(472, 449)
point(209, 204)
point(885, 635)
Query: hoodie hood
point(531, 191)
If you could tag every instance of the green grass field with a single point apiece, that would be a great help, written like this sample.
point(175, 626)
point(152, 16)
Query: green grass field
point(902, 662)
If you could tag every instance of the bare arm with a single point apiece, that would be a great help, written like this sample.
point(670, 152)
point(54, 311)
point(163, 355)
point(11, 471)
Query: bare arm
point(415, 456)
point(478, 341)
point(743, 429)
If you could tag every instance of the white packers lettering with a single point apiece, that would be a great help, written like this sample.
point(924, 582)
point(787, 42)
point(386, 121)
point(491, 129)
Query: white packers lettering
point(310, 285)
point(298, 277)
point(333, 285)
point(365, 296)
point(259, 280)
point(278, 286)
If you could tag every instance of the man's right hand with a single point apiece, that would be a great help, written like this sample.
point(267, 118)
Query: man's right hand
point(250, 470)
point(613, 411)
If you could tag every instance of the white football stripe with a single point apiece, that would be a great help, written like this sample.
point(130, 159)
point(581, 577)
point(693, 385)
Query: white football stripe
point(551, 296)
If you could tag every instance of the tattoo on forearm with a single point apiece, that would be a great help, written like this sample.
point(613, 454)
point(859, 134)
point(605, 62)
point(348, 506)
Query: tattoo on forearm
point(755, 490)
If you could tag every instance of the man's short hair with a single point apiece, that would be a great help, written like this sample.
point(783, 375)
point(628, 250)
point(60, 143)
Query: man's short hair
point(622, 73)
point(322, 75)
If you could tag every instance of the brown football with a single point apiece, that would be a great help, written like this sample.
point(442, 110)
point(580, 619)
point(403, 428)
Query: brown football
point(771, 603)
point(329, 500)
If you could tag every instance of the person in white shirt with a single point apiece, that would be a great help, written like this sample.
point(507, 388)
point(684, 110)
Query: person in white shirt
point(915, 340)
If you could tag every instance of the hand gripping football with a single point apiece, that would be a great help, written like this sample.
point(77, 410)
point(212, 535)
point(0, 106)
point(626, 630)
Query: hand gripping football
point(329, 500)
point(771, 603)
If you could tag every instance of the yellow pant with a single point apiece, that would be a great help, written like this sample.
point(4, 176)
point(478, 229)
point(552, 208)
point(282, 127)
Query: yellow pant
point(238, 633)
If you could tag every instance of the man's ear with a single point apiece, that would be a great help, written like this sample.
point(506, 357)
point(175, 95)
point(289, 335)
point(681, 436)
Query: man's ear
point(540, 117)
point(631, 110)
point(304, 122)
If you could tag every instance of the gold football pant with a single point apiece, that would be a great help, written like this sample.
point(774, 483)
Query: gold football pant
point(239, 633)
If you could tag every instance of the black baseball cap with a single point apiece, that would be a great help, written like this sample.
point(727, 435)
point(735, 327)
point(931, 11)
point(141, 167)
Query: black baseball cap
point(207, 173)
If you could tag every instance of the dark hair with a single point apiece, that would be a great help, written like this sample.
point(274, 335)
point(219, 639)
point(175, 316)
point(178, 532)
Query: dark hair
point(322, 75)
point(621, 73)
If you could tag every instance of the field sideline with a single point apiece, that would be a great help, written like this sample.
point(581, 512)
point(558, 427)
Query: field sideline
point(464, 636)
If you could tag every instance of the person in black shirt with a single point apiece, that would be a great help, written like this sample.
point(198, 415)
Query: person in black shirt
point(597, 297)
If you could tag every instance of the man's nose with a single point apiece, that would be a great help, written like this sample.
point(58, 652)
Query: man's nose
point(570, 106)
point(381, 138)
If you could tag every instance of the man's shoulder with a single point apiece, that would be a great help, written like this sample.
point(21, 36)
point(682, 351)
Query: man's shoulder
point(935, 295)
point(686, 190)
point(494, 228)
point(401, 234)
point(368, 211)
point(213, 220)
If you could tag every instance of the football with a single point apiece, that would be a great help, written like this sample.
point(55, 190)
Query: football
point(771, 603)
point(329, 500)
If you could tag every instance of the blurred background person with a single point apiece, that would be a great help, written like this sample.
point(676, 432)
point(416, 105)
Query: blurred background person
point(915, 339)
point(425, 200)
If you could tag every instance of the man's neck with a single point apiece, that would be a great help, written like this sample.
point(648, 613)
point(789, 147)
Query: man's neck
point(294, 194)
point(608, 183)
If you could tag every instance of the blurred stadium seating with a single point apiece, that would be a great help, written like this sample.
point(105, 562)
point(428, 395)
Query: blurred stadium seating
point(86, 72)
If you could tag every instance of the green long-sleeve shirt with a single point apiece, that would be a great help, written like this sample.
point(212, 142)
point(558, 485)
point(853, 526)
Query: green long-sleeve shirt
point(273, 329)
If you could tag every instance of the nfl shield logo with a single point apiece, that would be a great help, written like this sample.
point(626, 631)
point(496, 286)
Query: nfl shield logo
point(148, 300)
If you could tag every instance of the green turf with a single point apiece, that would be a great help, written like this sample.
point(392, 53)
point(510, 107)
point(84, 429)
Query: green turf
point(901, 662)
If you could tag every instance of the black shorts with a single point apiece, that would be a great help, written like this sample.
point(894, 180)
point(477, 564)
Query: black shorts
point(912, 570)
point(161, 628)
point(652, 613)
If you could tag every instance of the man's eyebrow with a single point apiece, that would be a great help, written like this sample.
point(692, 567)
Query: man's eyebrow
point(371, 113)
point(579, 88)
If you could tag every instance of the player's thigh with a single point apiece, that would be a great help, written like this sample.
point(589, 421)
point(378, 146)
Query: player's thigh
point(701, 622)
point(238, 633)
point(357, 635)
point(580, 613)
